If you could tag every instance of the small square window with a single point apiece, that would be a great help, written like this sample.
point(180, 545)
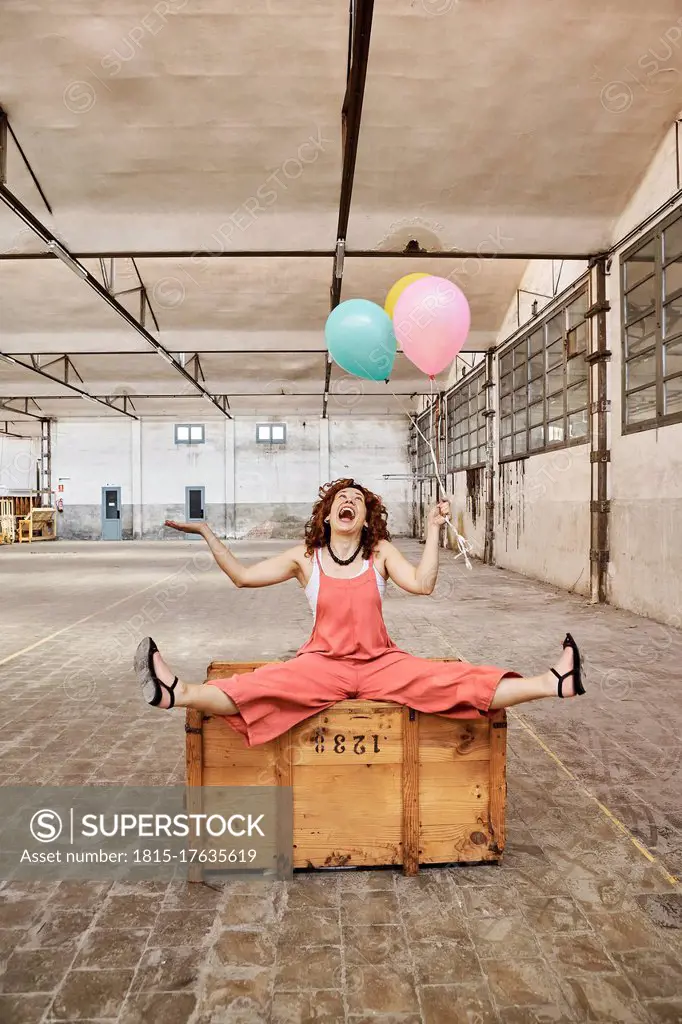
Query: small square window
point(271, 433)
point(189, 433)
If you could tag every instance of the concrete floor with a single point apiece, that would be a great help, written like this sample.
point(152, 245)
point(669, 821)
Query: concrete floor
point(577, 923)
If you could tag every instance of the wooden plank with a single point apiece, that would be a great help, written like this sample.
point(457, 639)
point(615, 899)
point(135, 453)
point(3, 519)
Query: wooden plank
point(347, 816)
point(224, 747)
point(284, 769)
point(223, 669)
point(498, 781)
point(355, 732)
point(411, 831)
point(454, 812)
point(239, 775)
point(194, 775)
point(449, 739)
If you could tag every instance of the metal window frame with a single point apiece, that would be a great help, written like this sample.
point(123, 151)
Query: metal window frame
point(661, 419)
point(473, 384)
point(270, 439)
point(515, 392)
point(189, 440)
point(425, 468)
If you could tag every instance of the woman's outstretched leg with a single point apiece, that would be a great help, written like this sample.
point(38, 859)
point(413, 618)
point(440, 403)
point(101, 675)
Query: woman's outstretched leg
point(162, 689)
point(512, 691)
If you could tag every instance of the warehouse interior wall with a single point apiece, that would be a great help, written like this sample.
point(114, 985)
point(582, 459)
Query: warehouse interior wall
point(250, 489)
point(18, 462)
point(541, 502)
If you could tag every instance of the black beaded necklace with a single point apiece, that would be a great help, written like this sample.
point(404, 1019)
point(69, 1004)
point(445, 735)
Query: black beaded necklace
point(344, 561)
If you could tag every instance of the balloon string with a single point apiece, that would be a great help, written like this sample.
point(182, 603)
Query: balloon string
point(462, 543)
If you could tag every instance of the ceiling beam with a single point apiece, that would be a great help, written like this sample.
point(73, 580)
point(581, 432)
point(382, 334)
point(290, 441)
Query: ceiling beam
point(10, 433)
point(327, 254)
point(239, 394)
point(6, 407)
point(200, 352)
point(81, 392)
point(5, 128)
point(46, 236)
point(360, 31)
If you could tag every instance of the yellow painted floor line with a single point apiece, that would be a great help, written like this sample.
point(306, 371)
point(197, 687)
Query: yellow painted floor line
point(79, 622)
point(602, 807)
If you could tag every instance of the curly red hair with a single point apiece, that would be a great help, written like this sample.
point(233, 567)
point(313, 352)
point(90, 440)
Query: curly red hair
point(317, 531)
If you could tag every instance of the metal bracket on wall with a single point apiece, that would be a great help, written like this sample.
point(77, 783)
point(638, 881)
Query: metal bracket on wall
point(600, 356)
point(600, 506)
point(596, 308)
point(602, 405)
point(600, 456)
point(600, 557)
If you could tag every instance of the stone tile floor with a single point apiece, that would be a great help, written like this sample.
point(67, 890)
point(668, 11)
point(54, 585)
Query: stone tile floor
point(575, 925)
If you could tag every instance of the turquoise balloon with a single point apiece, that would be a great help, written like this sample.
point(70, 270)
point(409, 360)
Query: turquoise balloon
point(360, 339)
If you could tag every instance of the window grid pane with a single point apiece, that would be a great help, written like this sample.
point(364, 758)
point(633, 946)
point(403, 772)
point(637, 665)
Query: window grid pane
point(672, 395)
point(465, 407)
point(547, 375)
point(652, 276)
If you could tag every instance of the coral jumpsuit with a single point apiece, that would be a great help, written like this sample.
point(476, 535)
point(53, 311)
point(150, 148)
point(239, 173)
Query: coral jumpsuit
point(350, 655)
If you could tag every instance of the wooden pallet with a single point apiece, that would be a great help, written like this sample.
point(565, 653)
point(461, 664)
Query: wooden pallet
point(374, 783)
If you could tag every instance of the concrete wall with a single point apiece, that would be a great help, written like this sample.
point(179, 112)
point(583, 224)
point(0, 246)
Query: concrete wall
point(18, 460)
point(376, 454)
point(542, 517)
point(251, 490)
point(466, 489)
point(88, 455)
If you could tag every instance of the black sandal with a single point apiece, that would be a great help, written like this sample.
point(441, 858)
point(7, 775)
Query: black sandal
point(575, 671)
point(152, 687)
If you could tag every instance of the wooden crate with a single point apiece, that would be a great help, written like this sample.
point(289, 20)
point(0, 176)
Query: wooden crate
point(374, 784)
point(39, 524)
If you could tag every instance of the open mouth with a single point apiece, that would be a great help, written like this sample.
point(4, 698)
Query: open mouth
point(347, 514)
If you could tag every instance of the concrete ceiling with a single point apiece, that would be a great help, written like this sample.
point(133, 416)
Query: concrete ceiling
point(489, 127)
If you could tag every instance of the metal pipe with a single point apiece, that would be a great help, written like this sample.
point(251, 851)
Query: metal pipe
point(186, 254)
point(488, 547)
point(599, 453)
point(361, 13)
point(547, 312)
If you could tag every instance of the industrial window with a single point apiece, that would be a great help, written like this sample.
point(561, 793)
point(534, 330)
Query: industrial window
point(427, 425)
point(651, 276)
point(465, 411)
point(544, 384)
point(189, 433)
point(271, 433)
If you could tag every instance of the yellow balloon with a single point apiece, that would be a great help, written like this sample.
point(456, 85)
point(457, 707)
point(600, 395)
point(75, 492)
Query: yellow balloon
point(398, 289)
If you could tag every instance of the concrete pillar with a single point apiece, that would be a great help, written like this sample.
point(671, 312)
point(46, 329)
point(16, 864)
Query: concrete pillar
point(230, 479)
point(325, 466)
point(136, 476)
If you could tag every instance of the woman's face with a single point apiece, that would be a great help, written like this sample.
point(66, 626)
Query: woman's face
point(348, 513)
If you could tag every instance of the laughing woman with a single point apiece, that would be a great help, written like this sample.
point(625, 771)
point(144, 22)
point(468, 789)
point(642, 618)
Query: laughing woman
point(343, 564)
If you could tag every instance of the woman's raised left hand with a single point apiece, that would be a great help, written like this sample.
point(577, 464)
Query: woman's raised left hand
point(439, 513)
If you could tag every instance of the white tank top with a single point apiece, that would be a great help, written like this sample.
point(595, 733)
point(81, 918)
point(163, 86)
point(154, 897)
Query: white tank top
point(312, 589)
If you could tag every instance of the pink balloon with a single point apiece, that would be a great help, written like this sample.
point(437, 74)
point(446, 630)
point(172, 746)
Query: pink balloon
point(431, 320)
